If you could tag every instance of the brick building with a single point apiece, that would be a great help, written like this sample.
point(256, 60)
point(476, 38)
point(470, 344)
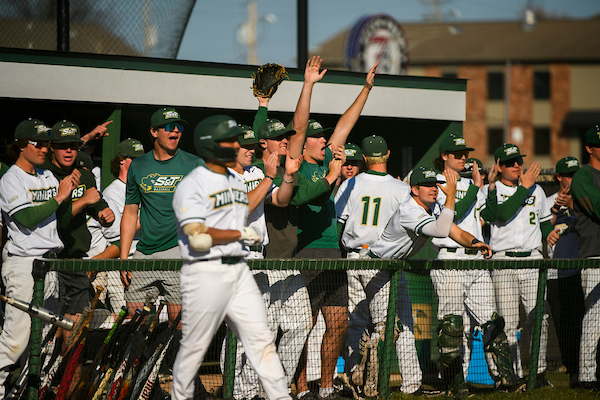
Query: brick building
point(533, 85)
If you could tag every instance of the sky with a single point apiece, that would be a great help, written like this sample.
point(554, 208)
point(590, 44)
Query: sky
point(211, 33)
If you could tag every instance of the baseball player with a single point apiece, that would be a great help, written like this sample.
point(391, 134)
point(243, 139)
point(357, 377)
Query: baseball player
point(283, 291)
point(585, 190)
point(151, 182)
point(408, 230)
point(470, 290)
point(364, 204)
point(354, 161)
point(211, 207)
point(29, 199)
point(317, 238)
point(522, 220)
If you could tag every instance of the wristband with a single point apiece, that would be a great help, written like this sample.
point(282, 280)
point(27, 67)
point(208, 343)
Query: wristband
point(292, 181)
point(270, 177)
point(554, 211)
point(474, 242)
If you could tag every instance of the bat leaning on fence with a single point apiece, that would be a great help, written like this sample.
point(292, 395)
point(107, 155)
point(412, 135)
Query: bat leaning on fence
point(39, 312)
point(82, 388)
point(131, 371)
point(65, 354)
point(146, 379)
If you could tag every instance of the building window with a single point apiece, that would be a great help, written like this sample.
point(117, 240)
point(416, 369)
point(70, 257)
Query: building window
point(449, 75)
point(495, 139)
point(542, 141)
point(495, 86)
point(541, 85)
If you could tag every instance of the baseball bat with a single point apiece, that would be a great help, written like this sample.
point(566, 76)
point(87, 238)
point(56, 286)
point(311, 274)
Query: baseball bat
point(128, 380)
point(71, 365)
point(85, 318)
point(108, 365)
point(39, 312)
point(125, 360)
point(82, 385)
point(149, 373)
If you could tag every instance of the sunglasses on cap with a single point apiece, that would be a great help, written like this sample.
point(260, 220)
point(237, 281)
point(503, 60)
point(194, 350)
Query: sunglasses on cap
point(65, 146)
point(460, 153)
point(39, 145)
point(512, 161)
point(280, 138)
point(170, 127)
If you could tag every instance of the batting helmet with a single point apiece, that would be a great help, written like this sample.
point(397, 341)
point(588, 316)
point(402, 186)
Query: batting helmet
point(212, 130)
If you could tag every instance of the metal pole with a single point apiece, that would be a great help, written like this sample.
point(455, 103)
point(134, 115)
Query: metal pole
point(302, 54)
point(507, 72)
point(40, 267)
point(386, 358)
point(537, 327)
point(62, 25)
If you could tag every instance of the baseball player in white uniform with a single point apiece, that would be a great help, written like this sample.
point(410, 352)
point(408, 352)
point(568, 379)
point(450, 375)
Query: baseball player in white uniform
point(284, 294)
point(216, 284)
point(522, 220)
point(470, 291)
point(408, 230)
point(29, 199)
point(363, 210)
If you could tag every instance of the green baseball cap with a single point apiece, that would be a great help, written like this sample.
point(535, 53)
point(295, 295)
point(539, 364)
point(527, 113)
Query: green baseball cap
point(353, 152)
point(315, 128)
point(165, 115)
point(507, 151)
point(374, 146)
point(273, 128)
point(65, 132)
point(32, 129)
point(130, 148)
point(247, 136)
point(453, 142)
point(567, 165)
point(469, 162)
point(592, 136)
point(423, 175)
point(83, 160)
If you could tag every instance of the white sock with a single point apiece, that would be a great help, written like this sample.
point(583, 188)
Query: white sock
point(324, 392)
point(302, 394)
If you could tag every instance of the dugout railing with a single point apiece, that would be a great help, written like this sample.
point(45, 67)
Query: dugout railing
point(42, 266)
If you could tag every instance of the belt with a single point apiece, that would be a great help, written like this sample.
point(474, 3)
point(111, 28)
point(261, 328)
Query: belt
point(467, 251)
point(372, 255)
point(225, 260)
point(517, 253)
point(258, 248)
point(51, 254)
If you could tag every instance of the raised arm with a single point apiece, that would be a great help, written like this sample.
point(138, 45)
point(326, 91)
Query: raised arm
point(302, 113)
point(349, 118)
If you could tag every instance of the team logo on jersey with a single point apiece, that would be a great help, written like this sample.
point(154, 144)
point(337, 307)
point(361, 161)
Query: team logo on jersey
point(78, 192)
point(530, 201)
point(460, 194)
point(42, 195)
point(226, 198)
point(251, 185)
point(171, 114)
point(315, 176)
point(157, 183)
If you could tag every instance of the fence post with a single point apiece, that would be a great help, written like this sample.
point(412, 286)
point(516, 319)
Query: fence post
point(40, 267)
point(230, 358)
point(537, 327)
point(388, 354)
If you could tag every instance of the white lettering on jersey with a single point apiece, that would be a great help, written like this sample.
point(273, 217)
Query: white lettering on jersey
point(41, 195)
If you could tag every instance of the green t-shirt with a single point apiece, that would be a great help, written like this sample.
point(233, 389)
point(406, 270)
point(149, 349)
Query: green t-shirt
point(585, 190)
point(317, 227)
point(75, 235)
point(151, 184)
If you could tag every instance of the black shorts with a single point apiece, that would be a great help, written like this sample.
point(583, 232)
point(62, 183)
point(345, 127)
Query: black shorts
point(325, 287)
point(78, 287)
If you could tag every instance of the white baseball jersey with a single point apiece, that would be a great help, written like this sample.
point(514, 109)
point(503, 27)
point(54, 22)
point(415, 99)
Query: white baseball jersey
point(469, 222)
point(365, 204)
point(215, 200)
point(115, 194)
point(252, 177)
point(21, 190)
point(403, 235)
point(522, 231)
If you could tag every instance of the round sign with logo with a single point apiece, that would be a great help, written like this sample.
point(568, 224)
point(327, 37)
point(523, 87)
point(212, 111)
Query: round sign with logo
point(376, 38)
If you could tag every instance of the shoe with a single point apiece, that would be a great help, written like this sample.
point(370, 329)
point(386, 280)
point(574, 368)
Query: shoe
point(372, 382)
point(541, 381)
point(591, 386)
point(518, 387)
point(337, 395)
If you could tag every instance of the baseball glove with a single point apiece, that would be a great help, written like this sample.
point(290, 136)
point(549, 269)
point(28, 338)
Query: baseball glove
point(267, 79)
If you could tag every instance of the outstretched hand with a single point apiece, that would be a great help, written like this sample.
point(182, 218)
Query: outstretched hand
point(371, 76)
point(528, 178)
point(311, 73)
point(292, 165)
point(449, 189)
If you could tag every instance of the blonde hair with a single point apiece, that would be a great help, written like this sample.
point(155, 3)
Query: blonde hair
point(377, 160)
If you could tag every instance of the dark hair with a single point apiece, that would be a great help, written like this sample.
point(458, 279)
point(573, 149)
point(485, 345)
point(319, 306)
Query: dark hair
point(14, 148)
point(258, 151)
point(438, 163)
point(115, 165)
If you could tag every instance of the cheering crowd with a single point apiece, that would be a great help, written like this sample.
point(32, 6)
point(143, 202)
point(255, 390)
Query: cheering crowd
point(295, 189)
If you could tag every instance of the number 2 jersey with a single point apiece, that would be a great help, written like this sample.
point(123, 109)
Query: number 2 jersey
point(522, 231)
point(365, 204)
